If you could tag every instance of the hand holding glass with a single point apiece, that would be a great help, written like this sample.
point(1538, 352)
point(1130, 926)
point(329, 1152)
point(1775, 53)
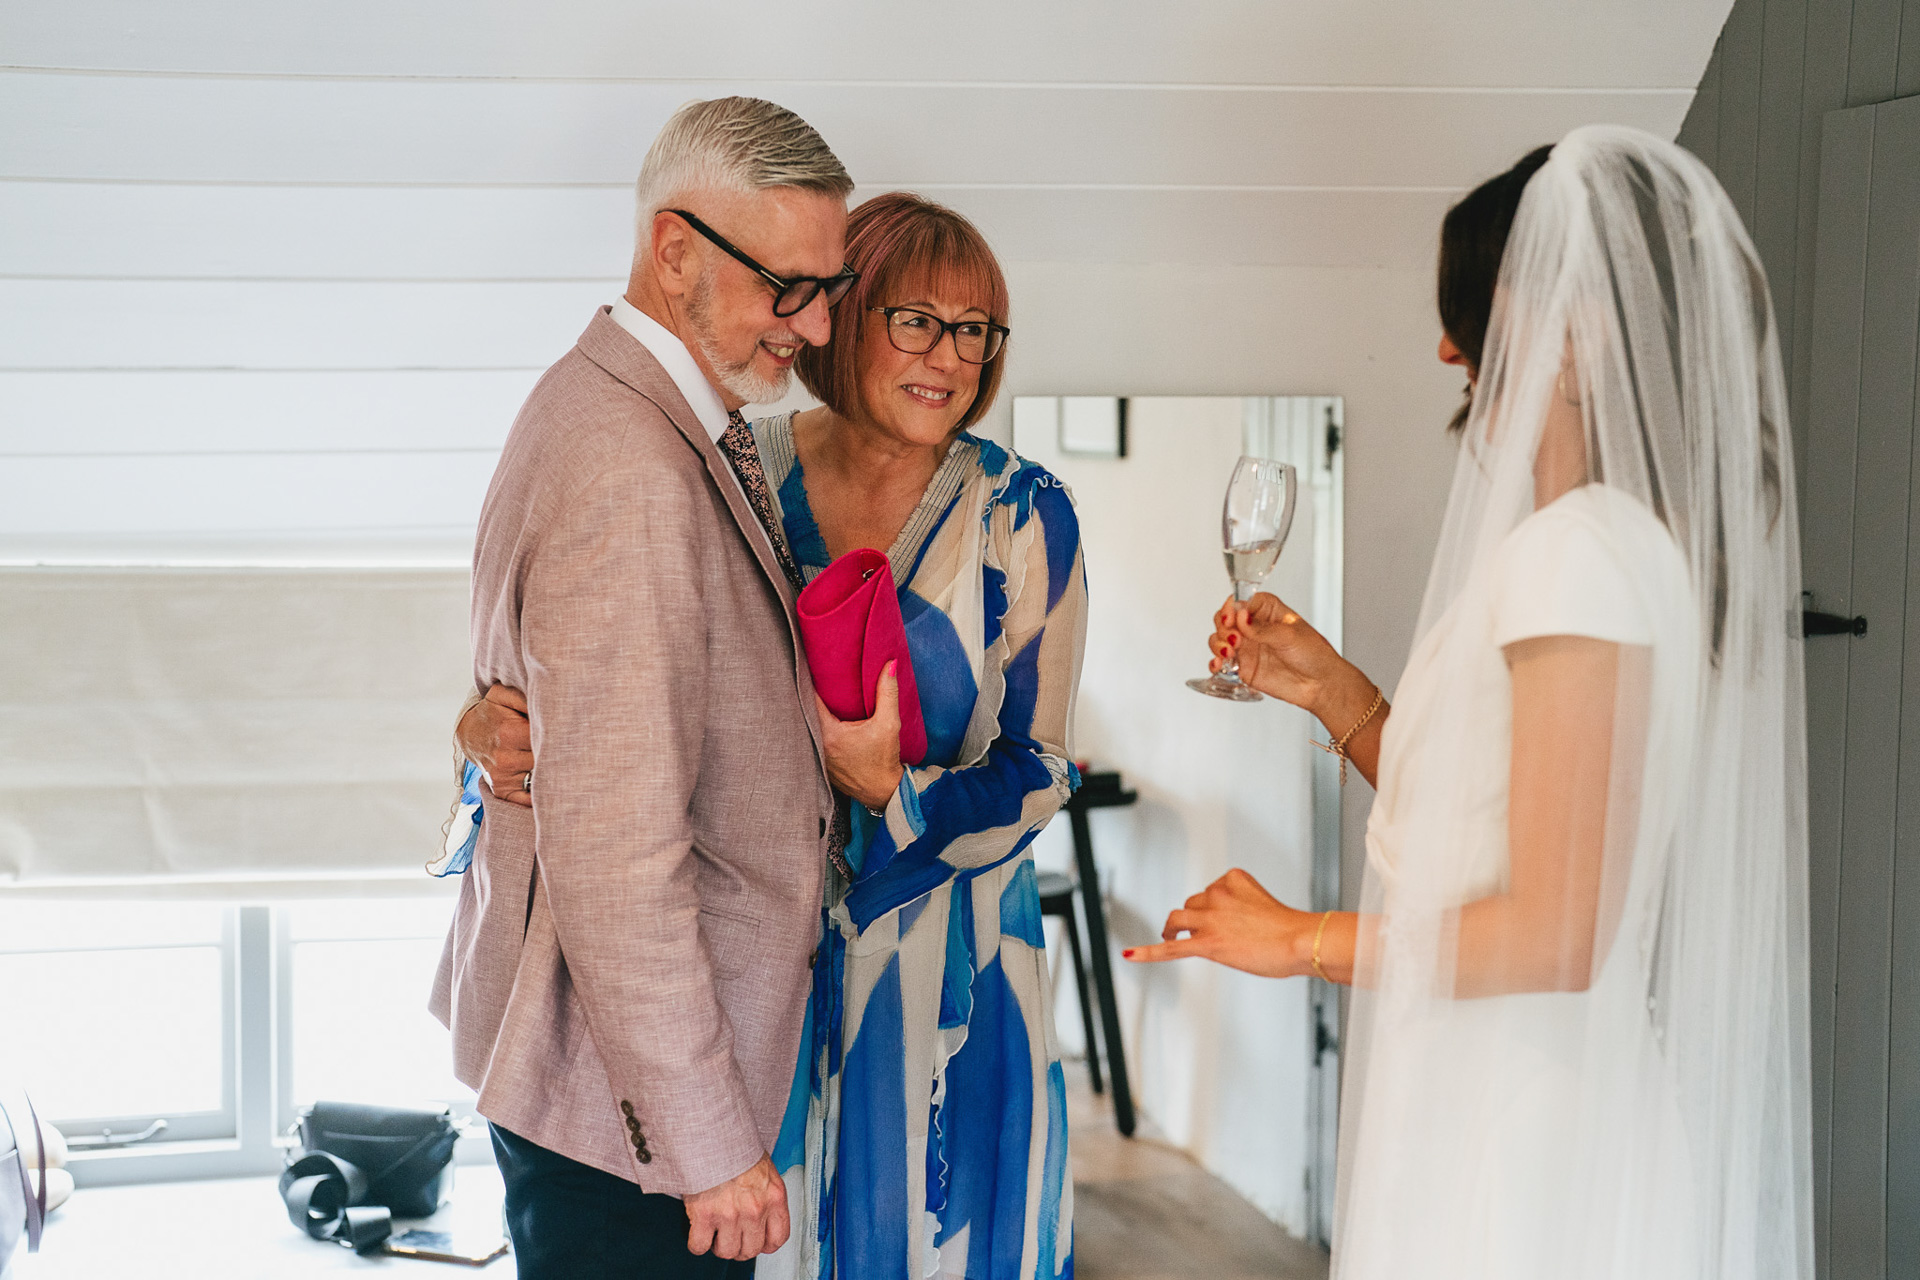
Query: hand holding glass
point(1254, 522)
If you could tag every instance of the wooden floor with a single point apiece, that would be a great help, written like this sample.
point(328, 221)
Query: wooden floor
point(1142, 1211)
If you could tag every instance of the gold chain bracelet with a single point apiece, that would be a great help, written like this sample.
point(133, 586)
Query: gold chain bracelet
point(1339, 746)
point(1317, 935)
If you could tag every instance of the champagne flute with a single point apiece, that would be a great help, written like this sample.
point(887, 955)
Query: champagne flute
point(1254, 522)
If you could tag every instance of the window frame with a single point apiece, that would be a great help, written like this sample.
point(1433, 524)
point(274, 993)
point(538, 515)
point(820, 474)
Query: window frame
point(251, 1134)
point(183, 1127)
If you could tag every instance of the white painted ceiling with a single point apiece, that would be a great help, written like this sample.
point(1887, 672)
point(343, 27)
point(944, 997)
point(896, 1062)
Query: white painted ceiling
point(1128, 130)
point(284, 268)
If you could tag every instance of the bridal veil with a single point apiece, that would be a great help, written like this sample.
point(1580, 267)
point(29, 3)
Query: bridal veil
point(1650, 1117)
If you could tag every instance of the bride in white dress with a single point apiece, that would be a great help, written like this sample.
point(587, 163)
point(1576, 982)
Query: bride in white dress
point(1578, 1042)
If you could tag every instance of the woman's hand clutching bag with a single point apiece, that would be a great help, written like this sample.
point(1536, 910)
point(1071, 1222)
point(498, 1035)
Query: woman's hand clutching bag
point(863, 756)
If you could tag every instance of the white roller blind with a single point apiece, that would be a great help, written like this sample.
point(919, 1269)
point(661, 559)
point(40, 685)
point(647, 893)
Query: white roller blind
point(226, 729)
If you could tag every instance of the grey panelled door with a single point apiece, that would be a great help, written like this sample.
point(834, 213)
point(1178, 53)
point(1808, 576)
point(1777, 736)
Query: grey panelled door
point(1862, 553)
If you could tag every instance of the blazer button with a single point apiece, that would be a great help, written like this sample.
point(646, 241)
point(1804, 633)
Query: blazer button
point(633, 1126)
point(627, 1107)
point(643, 1155)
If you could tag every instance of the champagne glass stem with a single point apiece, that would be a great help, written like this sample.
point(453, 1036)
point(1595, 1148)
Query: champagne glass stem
point(1230, 669)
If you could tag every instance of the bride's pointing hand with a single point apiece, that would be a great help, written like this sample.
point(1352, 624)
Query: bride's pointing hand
point(1237, 923)
point(1280, 653)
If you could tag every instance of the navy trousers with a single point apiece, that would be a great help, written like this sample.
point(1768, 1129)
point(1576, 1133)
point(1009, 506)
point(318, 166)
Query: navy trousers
point(570, 1221)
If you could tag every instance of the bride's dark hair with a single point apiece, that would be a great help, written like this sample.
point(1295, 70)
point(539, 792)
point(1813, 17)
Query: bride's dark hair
point(1472, 238)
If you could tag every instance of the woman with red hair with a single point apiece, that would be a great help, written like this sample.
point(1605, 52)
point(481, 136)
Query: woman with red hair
point(927, 1134)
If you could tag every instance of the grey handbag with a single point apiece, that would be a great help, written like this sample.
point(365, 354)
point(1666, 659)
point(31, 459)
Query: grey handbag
point(23, 1206)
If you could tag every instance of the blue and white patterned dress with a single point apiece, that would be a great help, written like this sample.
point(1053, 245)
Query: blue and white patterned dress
point(927, 1132)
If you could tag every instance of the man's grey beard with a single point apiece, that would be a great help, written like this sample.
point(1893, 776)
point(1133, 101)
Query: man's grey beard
point(736, 376)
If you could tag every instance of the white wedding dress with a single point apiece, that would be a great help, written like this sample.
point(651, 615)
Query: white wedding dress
point(1494, 1149)
point(1651, 1123)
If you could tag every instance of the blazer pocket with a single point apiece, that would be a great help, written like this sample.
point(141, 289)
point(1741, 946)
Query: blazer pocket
point(730, 938)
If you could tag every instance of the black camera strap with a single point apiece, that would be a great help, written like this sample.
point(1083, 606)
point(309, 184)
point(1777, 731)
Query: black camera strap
point(322, 1193)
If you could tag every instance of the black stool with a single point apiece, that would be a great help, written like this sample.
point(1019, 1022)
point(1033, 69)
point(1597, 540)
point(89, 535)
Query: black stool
point(1057, 892)
point(1056, 899)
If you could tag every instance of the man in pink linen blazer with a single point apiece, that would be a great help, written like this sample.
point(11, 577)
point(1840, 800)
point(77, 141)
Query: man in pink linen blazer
point(629, 962)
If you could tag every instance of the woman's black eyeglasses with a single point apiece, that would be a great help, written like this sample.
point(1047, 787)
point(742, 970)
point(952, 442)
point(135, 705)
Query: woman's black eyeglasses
point(792, 294)
point(916, 333)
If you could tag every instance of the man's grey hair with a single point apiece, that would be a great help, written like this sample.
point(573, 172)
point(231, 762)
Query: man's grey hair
point(738, 145)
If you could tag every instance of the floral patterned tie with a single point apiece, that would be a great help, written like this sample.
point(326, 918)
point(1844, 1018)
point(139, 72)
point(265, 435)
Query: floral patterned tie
point(737, 443)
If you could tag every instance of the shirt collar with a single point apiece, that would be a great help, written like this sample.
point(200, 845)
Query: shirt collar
point(674, 357)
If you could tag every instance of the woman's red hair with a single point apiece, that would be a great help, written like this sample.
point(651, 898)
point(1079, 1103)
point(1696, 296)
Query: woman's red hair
point(905, 248)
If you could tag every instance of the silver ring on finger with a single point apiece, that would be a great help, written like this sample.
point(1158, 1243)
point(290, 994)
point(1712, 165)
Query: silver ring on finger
point(526, 782)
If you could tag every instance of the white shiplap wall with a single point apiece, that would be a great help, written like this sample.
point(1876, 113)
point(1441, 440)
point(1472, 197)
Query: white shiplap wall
point(272, 284)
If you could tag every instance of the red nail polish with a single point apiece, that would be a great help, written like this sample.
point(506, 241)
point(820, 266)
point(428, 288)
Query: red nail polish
point(1232, 638)
point(1127, 954)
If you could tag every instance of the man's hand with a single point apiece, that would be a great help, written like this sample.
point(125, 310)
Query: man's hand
point(863, 756)
point(496, 735)
point(740, 1219)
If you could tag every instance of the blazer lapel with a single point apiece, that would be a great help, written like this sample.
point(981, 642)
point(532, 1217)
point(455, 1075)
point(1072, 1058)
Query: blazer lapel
point(622, 355)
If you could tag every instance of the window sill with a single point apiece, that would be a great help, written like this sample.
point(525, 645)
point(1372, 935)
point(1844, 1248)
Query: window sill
point(219, 1158)
point(172, 1162)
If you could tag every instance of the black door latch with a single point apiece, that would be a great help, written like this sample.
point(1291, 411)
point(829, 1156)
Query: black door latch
point(1814, 623)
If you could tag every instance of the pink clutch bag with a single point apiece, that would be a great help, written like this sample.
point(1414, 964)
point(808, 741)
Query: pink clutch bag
point(851, 626)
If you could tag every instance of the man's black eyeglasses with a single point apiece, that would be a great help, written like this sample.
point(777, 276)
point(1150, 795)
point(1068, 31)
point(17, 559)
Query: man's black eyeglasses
point(792, 294)
point(916, 333)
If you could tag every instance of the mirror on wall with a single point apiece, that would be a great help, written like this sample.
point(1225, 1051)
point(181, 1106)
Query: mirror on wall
point(1245, 1069)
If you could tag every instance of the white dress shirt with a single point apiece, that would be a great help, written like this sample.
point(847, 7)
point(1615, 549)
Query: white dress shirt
point(674, 357)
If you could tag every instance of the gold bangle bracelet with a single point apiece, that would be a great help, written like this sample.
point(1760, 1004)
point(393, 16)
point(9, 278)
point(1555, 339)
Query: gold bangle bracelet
point(1318, 934)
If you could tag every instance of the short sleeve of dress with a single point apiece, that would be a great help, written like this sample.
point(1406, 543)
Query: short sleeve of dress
point(1563, 572)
